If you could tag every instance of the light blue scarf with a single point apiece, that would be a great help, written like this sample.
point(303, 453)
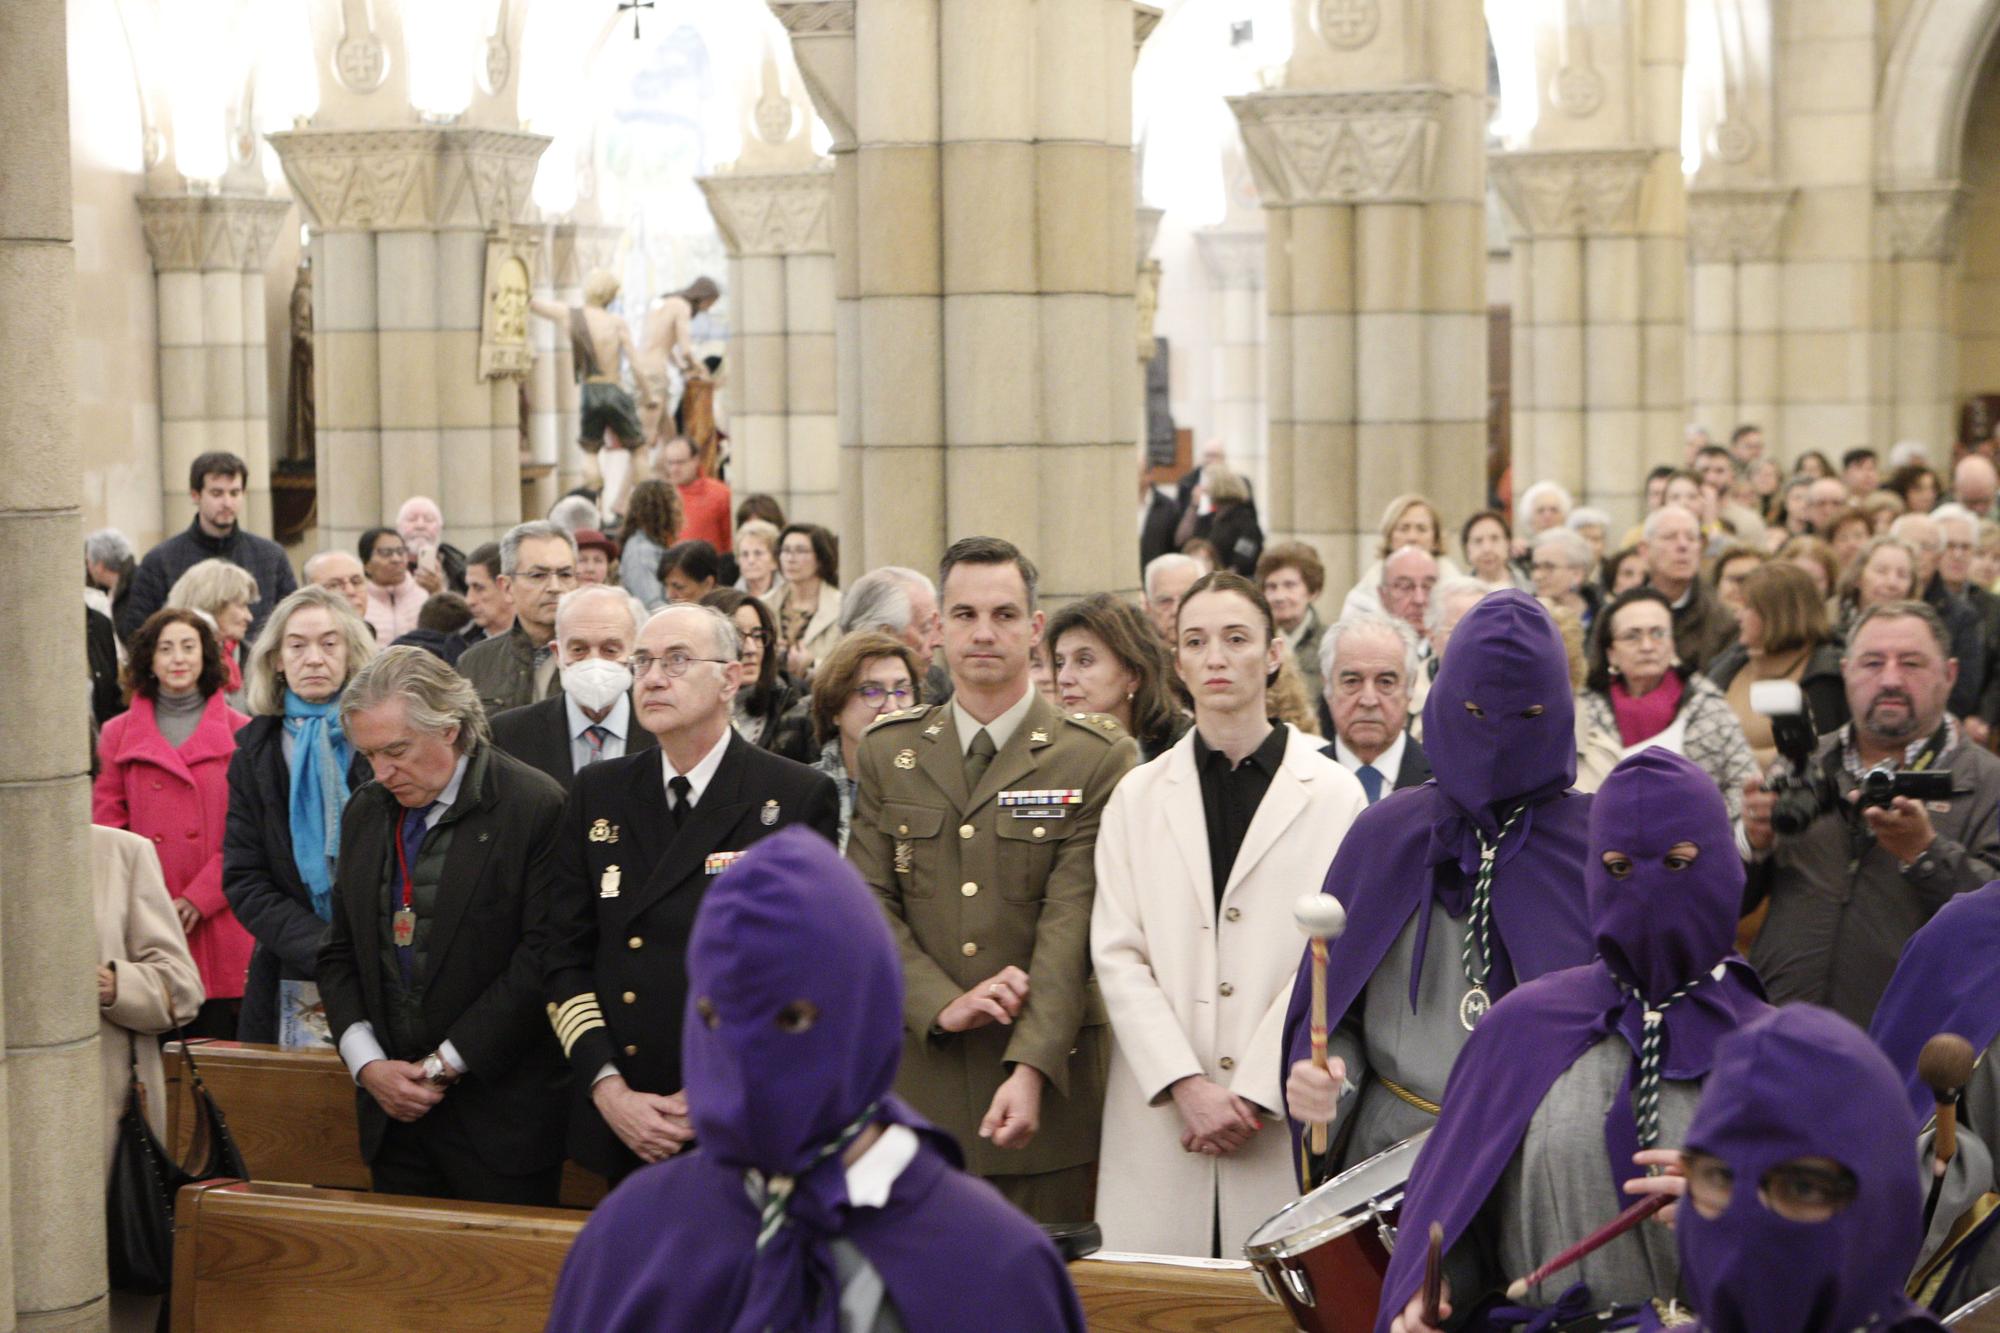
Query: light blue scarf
point(320, 759)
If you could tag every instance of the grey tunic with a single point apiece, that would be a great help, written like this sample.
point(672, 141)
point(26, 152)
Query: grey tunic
point(864, 1301)
point(1969, 1176)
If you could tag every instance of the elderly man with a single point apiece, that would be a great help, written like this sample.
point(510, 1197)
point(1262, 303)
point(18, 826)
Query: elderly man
point(394, 596)
point(435, 564)
point(492, 609)
point(1166, 581)
point(537, 566)
point(340, 573)
point(642, 837)
point(1671, 548)
point(1973, 483)
point(901, 602)
point(1370, 666)
point(431, 970)
point(1825, 498)
point(1408, 577)
point(1848, 891)
point(591, 719)
point(1925, 535)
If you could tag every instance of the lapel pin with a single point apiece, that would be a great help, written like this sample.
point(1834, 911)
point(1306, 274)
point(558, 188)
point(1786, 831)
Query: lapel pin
point(1038, 737)
point(906, 759)
point(769, 815)
point(603, 831)
point(607, 887)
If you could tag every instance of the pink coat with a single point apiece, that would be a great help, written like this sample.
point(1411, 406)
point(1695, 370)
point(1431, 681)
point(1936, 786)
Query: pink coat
point(179, 799)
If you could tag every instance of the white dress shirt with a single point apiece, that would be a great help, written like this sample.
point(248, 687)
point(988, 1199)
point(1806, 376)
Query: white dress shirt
point(618, 722)
point(1388, 763)
point(699, 776)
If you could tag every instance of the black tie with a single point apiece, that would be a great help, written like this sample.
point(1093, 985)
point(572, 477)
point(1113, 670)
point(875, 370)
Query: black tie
point(677, 809)
point(978, 756)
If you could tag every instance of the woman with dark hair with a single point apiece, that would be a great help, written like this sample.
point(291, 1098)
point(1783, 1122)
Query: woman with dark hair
point(1487, 540)
point(652, 523)
point(806, 600)
point(1638, 694)
point(164, 774)
point(765, 695)
point(1782, 634)
point(868, 673)
point(1109, 660)
point(689, 570)
point(1623, 569)
point(758, 505)
point(1812, 463)
point(1918, 486)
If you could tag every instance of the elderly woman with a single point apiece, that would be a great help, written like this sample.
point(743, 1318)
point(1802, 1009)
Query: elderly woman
point(1487, 539)
point(1409, 520)
point(1783, 634)
point(867, 674)
point(1594, 526)
point(1108, 660)
point(1639, 695)
point(1731, 567)
point(1234, 531)
point(765, 696)
point(1817, 559)
point(652, 522)
point(224, 592)
point(756, 557)
point(1886, 571)
point(1560, 564)
point(1292, 578)
point(806, 600)
point(163, 773)
point(288, 784)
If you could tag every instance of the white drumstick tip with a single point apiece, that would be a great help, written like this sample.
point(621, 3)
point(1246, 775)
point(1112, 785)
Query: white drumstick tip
point(1320, 915)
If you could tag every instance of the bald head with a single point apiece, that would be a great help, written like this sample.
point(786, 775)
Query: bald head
point(1408, 576)
point(1973, 483)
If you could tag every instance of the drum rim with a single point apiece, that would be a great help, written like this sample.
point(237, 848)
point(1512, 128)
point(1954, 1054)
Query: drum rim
point(1293, 1244)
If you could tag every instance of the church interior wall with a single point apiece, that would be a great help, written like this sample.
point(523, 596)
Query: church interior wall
point(1979, 265)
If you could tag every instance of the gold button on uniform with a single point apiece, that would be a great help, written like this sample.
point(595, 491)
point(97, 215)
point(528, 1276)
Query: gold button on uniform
point(1226, 1062)
point(630, 998)
point(635, 943)
point(1225, 988)
point(969, 889)
point(631, 1050)
point(1233, 914)
point(965, 830)
point(1040, 831)
point(903, 829)
point(968, 948)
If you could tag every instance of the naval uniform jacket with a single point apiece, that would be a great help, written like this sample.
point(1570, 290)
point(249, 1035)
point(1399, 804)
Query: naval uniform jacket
point(627, 886)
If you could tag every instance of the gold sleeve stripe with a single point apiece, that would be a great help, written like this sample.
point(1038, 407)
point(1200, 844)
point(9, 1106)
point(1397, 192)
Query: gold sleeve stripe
point(567, 1022)
point(568, 1036)
point(574, 1017)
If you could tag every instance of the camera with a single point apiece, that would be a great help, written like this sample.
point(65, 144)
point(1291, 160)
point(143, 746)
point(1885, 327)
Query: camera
point(1803, 797)
point(1883, 783)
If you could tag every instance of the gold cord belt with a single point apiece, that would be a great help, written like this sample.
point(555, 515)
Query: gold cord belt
point(1428, 1108)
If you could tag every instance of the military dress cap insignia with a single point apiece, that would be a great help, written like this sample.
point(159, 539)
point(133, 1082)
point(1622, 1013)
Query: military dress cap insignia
point(607, 887)
point(769, 815)
point(906, 759)
point(934, 728)
point(604, 831)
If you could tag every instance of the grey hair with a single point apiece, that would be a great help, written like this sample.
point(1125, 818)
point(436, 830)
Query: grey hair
point(1366, 621)
point(1524, 508)
point(880, 599)
point(1574, 548)
point(209, 585)
point(573, 512)
point(1583, 516)
point(1442, 595)
point(1658, 516)
point(320, 557)
point(540, 530)
point(1908, 523)
point(728, 641)
point(107, 546)
point(1957, 513)
point(1903, 453)
point(573, 601)
point(435, 697)
point(1914, 610)
point(263, 688)
point(1159, 564)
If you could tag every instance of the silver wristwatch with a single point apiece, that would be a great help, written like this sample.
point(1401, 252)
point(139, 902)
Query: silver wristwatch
point(437, 1072)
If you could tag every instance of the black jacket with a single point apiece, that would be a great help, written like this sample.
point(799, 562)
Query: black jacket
point(483, 987)
point(627, 887)
point(1156, 530)
point(1968, 645)
point(538, 736)
point(1822, 684)
point(107, 697)
point(1237, 538)
point(165, 563)
point(260, 875)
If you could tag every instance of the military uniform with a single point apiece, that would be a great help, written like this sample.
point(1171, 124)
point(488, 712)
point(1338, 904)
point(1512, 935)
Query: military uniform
point(976, 880)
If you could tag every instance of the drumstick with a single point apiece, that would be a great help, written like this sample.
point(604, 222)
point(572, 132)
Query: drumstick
point(1595, 1241)
point(1434, 1277)
point(1944, 1065)
point(1322, 918)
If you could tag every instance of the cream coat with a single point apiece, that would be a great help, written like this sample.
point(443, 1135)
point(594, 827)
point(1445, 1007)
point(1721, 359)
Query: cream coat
point(1188, 995)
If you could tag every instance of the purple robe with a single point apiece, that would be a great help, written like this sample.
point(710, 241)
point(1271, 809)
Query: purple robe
point(1805, 1082)
point(1948, 980)
point(1420, 845)
point(787, 1059)
point(1660, 928)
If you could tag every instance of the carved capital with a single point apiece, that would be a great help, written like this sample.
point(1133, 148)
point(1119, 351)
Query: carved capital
point(814, 16)
point(1735, 226)
point(1589, 192)
point(1145, 18)
point(575, 249)
point(411, 179)
point(1235, 259)
point(822, 33)
point(211, 233)
point(773, 214)
point(1363, 147)
point(1920, 221)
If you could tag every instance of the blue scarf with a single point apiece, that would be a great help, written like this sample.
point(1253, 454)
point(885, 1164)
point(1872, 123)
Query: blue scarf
point(320, 759)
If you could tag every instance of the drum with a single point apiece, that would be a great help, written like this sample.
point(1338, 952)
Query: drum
point(1980, 1315)
point(1324, 1257)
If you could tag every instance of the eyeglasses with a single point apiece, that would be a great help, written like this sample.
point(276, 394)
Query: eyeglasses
point(537, 577)
point(875, 695)
point(757, 636)
point(1632, 638)
point(675, 664)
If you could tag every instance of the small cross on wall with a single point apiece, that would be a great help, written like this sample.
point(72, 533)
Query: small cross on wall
point(635, 6)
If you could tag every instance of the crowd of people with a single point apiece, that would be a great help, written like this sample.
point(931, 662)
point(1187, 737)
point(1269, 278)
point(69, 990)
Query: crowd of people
point(472, 802)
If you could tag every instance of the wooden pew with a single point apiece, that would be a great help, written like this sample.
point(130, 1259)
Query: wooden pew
point(292, 1116)
point(299, 1259)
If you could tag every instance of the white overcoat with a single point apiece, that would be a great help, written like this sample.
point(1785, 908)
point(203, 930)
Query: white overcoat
point(1190, 993)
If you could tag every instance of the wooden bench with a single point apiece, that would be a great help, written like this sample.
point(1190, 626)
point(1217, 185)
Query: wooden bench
point(292, 1116)
point(300, 1260)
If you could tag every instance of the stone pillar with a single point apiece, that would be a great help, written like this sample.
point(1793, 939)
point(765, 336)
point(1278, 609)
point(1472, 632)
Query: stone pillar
point(778, 227)
point(208, 254)
point(1916, 361)
point(1374, 199)
point(983, 239)
point(1734, 306)
point(51, 1086)
point(401, 220)
point(1235, 263)
point(570, 251)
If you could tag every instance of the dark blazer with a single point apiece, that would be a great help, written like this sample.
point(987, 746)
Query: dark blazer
point(627, 887)
point(483, 989)
point(1156, 530)
point(538, 736)
point(260, 875)
point(1414, 771)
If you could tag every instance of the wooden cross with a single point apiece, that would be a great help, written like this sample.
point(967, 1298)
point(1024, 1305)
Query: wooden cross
point(635, 6)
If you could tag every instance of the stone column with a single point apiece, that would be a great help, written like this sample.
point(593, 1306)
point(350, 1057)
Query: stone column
point(983, 240)
point(1374, 199)
point(208, 254)
point(570, 250)
point(778, 228)
point(1235, 263)
point(52, 1114)
point(1916, 361)
point(1734, 306)
point(400, 222)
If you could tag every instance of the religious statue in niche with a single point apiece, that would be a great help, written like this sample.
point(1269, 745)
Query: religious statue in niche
point(609, 420)
point(299, 412)
point(667, 355)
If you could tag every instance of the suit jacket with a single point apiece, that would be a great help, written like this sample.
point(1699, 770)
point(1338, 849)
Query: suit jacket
point(971, 889)
point(482, 989)
point(1414, 771)
point(627, 887)
point(538, 736)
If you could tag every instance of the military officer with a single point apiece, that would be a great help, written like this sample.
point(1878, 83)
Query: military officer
point(642, 838)
point(976, 824)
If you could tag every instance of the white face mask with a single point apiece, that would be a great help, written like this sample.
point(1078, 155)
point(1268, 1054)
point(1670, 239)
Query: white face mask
point(596, 684)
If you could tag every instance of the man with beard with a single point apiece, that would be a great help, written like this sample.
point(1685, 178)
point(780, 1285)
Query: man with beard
point(1848, 891)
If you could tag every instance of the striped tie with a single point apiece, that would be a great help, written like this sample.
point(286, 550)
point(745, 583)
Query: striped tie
point(1646, 1097)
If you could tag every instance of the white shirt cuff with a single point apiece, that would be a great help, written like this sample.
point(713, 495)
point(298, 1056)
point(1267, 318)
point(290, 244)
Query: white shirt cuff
point(604, 1073)
point(358, 1048)
point(451, 1056)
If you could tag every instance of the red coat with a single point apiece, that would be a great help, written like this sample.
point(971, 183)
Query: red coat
point(180, 800)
